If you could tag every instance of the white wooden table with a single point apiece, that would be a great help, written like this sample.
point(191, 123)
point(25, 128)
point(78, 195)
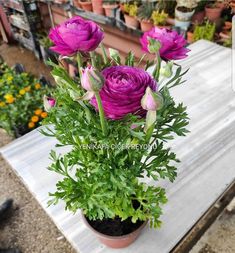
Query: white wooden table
point(207, 155)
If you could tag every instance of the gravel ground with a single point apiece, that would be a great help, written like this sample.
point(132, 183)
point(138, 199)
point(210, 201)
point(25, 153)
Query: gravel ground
point(220, 237)
point(28, 227)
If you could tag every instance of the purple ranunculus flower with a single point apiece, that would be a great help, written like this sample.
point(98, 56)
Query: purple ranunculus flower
point(123, 90)
point(75, 34)
point(172, 44)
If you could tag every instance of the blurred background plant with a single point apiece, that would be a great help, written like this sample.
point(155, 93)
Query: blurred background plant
point(21, 104)
point(204, 31)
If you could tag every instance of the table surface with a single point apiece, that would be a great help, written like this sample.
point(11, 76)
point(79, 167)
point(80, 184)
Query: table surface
point(207, 156)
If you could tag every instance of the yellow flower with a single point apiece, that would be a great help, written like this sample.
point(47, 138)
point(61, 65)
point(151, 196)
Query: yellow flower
point(27, 89)
point(8, 96)
point(38, 112)
point(2, 104)
point(37, 86)
point(10, 100)
point(35, 119)
point(31, 125)
point(44, 115)
point(22, 92)
point(9, 78)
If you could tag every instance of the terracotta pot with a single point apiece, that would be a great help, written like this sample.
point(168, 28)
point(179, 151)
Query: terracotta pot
point(213, 14)
point(190, 37)
point(76, 3)
point(116, 242)
point(122, 8)
point(108, 9)
point(146, 25)
point(227, 25)
point(87, 6)
point(131, 21)
point(97, 6)
point(198, 17)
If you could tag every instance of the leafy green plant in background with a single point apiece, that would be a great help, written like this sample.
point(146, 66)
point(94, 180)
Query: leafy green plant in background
point(145, 11)
point(131, 9)
point(21, 106)
point(159, 17)
point(167, 6)
point(205, 31)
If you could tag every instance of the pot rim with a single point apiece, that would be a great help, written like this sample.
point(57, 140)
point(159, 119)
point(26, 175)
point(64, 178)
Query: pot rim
point(110, 6)
point(110, 236)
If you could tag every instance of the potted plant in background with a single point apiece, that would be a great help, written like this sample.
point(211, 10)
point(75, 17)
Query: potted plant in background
point(144, 14)
point(213, 11)
point(130, 13)
point(199, 15)
point(109, 7)
point(45, 43)
point(97, 6)
point(204, 31)
point(159, 18)
point(169, 8)
point(116, 120)
point(86, 5)
point(183, 12)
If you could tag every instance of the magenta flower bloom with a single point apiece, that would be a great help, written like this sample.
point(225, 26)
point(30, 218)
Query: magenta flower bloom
point(123, 90)
point(172, 44)
point(76, 34)
point(48, 103)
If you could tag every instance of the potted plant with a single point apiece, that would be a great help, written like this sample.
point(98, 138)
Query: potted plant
point(97, 6)
point(115, 121)
point(190, 37)
point(213, 11)
point(109, 6)
point(199, 15)
point(144, 14)
point(204, 31)
point(130, 13)
point(183, 12)
point(86, 5)
point(159, 18)
point(45, 43)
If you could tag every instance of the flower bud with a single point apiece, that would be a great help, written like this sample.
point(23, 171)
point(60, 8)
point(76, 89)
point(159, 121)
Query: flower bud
point(153, 45)
point(151, 101)
point(166, 71)
point(92, 80)
point(48, 102)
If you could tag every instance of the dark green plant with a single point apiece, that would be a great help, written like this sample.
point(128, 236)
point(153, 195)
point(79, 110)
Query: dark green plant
point(167, 6)
point(145, 11)
point(204, 31)
point(201, 6)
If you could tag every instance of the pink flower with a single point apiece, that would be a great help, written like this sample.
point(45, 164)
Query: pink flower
point(48, 102)
point(76, 34)
point(172, 44)
point(123, 90)
point(151, 101)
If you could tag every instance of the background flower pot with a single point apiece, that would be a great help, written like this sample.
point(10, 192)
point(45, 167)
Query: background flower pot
point(87, 6)
point(97, 6)
point(131, 21)
point(116, 241)
point(108, 9)
point(190, 37)
point(146, 25)
point(182, 14)
point(198, 17)
point(76, 3)
point(213, 14)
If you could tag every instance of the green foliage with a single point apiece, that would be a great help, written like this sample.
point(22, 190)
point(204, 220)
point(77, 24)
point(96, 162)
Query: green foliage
point(145, 11)
point(167, 6)
point(102, 173)
point(205, 31)
point(131, 9)
point(159, 18)
point(20, 96)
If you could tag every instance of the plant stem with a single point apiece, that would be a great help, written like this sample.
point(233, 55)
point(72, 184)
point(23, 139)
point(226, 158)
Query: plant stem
point(101, 113)
point(92, 55)
point(79, 61)
point(105, 57)
point(156, 71)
